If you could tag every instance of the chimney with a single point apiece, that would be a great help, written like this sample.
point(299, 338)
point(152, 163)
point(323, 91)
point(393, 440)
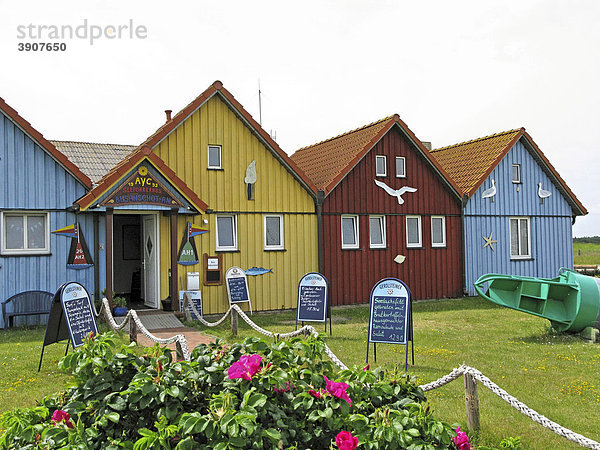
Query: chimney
point(168, 113)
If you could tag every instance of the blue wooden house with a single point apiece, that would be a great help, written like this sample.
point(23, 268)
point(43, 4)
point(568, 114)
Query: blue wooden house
point(518, 211)
point(39, 185)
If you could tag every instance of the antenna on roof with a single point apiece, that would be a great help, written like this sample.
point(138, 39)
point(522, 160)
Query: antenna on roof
point(259, 105)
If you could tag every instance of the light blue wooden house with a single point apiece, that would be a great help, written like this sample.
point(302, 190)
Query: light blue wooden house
point(517, 210)
point(39, 184)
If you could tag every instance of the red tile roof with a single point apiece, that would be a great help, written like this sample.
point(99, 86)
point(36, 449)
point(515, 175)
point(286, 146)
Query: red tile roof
point(45, 144)
point(329, 161)
point(471, 162)
point(146, 147)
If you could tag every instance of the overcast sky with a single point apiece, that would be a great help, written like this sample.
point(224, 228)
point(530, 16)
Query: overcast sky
point(453, 70)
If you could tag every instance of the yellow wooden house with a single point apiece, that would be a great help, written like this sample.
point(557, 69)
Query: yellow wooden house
point(210, 172)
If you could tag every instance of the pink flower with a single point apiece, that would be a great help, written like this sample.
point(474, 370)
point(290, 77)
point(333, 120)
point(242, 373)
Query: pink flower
point(367, 367)
point(314, 393)
point(245, 368)
point(60, 416)
point(338, 390)
point(461, 440)
point(345, 441)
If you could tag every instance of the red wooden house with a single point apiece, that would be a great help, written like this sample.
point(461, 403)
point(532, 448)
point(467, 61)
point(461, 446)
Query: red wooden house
point(387, 209)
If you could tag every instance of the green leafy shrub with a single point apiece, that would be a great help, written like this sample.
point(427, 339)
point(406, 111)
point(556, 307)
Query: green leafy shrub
point(249, 395)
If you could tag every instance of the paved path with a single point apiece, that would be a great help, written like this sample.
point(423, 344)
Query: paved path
point(165, 325)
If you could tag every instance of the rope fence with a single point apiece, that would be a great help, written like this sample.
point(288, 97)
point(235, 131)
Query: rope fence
point(470, 375)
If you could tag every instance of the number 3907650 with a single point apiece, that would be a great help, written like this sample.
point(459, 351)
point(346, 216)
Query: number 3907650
point(42, 46)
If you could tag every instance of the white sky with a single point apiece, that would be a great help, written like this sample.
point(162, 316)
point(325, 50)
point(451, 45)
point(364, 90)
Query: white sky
point(453, 71)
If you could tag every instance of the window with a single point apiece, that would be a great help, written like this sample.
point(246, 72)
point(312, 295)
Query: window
point(520, 243)
point(349, 231)
point(380, 166)
point(413, 231)
point(377, 231)
point(438, 231)
point(516, 173)
point(25, 233)
point(274, 232)
point(214, 157)
point(400, 167)
point(226, 232)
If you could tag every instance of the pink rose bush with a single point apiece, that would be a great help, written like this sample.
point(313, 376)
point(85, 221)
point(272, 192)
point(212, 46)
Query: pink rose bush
point(338, 390)
point(61, 417)
point(461, 440)
point(245, 368)
point(345, 441)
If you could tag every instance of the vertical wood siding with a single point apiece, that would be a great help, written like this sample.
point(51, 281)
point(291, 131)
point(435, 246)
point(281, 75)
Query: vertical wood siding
point(429, 272)
point(550, 223)
point(33, 181)
point(276, 191)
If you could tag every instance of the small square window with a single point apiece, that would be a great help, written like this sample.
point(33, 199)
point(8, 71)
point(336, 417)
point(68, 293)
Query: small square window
point(520, 242)
point(350, 232)
point(274, 232)
point(25, 233)
point(413, 231)
point(516, 173)
point(400, 167)
point(226, 234)
point(380, 166)
point(214, 157)
point(377, 231)
point(438, 231)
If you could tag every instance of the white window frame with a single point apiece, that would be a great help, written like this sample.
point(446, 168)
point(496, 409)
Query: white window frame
point(281, 245)
point(377, 158)
point(235, 233)
point(403, 158)
point(443, 243)
point(356, 232)
point(414, 244)
point(381, 220)
point(220, 166)
point(24, 251)
point(519, 219)
point(518, 180)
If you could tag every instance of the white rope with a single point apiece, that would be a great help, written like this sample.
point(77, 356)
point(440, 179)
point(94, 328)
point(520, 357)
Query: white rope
point(179, 339)
point(514, 402)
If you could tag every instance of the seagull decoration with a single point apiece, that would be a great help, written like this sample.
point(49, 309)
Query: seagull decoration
point(395, 192)
point(491, 192)
point(543, 193)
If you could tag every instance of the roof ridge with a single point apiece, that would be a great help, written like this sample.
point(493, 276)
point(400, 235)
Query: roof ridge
point(385, 119)
point(502, 133)
point(93, 143)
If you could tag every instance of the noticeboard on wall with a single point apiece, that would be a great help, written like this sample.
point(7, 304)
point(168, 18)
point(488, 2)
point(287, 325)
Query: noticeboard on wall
point(237, 286)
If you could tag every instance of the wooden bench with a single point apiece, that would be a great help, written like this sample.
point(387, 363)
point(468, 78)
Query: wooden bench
point(26, 304)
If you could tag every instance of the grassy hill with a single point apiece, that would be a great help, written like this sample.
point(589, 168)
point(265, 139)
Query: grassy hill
point(587, 250)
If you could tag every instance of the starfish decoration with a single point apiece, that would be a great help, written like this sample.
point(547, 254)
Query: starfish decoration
point(489, 241)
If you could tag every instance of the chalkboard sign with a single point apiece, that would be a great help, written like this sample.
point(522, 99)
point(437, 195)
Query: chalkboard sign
point(237, 286)
point(388, 313)
point(196, 299)
point(71, 316)
point(77, 308)
point(312, 298)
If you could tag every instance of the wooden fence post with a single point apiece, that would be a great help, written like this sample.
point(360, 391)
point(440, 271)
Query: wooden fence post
point(234, 322)
point(132, 330)
point(471, 403)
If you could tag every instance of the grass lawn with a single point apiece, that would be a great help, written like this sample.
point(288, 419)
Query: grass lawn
point(586, 253)
point(558, 376)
